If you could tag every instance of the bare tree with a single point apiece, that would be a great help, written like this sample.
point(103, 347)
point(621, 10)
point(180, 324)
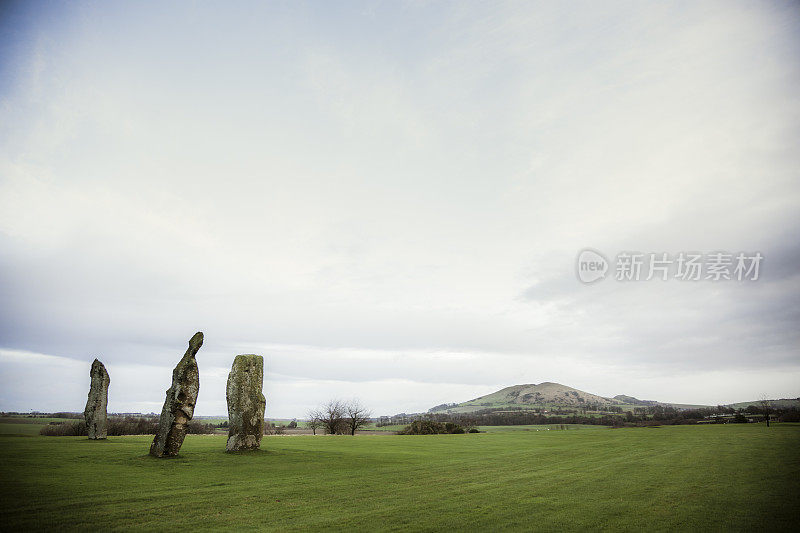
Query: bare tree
point(766, 406)
point(314, 420)
point(355, 416)
point(331, 417)
point(468, 423)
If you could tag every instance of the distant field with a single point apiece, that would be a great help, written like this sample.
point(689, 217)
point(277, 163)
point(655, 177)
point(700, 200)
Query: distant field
point(32, 420)
point(216, 420)
point(373, 427)
point(26, 426)
point(541, 427)
point(722, 477)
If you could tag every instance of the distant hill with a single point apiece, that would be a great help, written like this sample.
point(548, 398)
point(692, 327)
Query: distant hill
point(549, 395)
point(531, 396)
point(783, 403)
point(630, 400)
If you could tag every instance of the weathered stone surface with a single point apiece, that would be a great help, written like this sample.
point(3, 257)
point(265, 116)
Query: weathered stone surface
point(179, 403)
point(246, 403)
point(96, 412)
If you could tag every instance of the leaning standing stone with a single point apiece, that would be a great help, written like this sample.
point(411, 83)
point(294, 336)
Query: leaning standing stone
point(179, 404)
point(96, 412)
point(246, 403)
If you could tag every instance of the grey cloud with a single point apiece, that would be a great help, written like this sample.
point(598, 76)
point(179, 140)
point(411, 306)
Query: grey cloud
point(343, 196)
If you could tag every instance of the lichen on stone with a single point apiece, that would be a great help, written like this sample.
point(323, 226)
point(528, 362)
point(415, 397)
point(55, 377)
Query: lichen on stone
point(246, 403)
point(96, 412)
point(179, 403)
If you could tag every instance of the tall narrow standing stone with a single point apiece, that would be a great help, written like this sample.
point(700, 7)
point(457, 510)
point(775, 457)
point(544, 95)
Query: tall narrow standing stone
point(96, 412)
point(179, 404)
point(246, 403)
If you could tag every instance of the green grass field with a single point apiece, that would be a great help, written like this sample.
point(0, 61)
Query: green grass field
point(726, 477)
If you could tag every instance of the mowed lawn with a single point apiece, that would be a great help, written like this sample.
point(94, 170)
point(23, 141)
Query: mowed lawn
point(727, 477)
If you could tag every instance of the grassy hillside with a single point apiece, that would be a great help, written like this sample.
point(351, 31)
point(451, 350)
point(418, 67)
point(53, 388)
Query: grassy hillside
point(783, 403)
point(531, 396)
point(727, 477)
point(550, 395)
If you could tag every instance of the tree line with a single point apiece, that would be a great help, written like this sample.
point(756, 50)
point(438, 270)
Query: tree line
point(120, 425)
point(639, 416)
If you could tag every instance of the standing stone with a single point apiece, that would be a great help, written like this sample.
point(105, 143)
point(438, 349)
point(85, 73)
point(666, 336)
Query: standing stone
point(179, 404)
point(246, 403)
point(96, 412)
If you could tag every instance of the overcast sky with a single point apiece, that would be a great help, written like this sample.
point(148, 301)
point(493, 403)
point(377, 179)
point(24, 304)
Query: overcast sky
point(386, 199)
